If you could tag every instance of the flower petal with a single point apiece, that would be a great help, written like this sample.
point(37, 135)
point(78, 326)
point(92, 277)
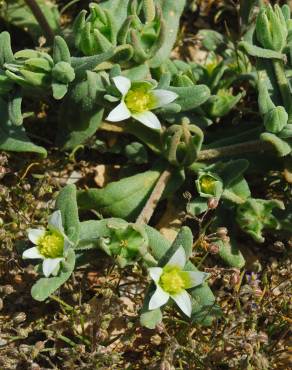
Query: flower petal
point(158, 299)
point(183, 300)
point(164, 97)
point(178, 258)
point(50, 264)
point(197, 278)
point(148, 119)
point(123, 84)
point(35, 234)
point(119, 113)
point(32, 253)
point(155, 273)
point(55, 220)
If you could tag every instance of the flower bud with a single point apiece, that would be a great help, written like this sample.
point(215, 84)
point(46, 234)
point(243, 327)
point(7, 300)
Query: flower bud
point(213, 248)
point(63, 72)
point(276, 119)
point(209, 185)
point(182, 144)
point(271, 28)
point(213, 203)
point(96, 33)
point(221, 232)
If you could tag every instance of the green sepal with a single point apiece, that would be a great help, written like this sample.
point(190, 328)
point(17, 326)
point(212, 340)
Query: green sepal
point(264, 100)
point(59, 90)
point(125, 243)
point(66, 202)
point(44, 287)
point(276, 119)
point(63, 72)
point(209, 185)
point(150, 319)
point(61, 52)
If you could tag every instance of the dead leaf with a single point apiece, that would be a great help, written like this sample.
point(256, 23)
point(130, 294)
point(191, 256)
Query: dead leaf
point(105, 174)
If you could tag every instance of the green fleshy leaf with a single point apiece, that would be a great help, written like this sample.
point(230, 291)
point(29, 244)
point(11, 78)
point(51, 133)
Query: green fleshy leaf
point(282, 147)
point(230, 253)
point(255, 215)
point(191, 97)
point(13, 138)
point(124, 198)
point(259, 52)
point(150, 319)
point(66, 202)
point(237, 192)
point(44, 287)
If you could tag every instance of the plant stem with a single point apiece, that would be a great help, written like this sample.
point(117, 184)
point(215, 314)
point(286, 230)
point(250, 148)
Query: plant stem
point(283, 86)
point(154, 198)
point(205, 155)
point(39, 16)
point(254, 146)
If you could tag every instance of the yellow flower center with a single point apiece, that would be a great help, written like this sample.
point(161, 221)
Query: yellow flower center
point(207, 184)
point(140, 100)
point(173, 280)
point(51, 245)
point(124, 243)
point(211, 66)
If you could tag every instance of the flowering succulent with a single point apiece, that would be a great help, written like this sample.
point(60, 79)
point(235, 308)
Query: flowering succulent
point(271, 28)
point(51, 245)
point(138, 100)
point(172, 281)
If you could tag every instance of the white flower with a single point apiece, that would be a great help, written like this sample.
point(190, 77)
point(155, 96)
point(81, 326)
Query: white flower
point(138, 99)
point(172, 281)
point(52, 245)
